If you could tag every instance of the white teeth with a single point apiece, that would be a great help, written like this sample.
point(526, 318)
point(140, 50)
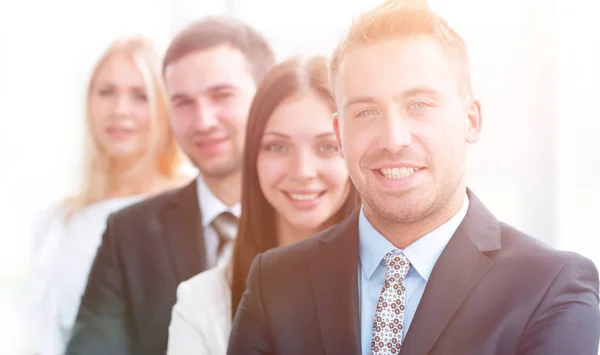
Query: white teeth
point(397, 173)
point(304, 197)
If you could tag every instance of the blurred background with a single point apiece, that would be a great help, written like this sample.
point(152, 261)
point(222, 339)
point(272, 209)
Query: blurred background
point(535, 67)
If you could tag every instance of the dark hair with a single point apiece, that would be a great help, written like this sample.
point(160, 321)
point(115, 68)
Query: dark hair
point(211, 32)
point(257, 232)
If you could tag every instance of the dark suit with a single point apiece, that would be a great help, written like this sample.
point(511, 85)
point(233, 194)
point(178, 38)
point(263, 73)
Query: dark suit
point(147, 250)
point(493, 290)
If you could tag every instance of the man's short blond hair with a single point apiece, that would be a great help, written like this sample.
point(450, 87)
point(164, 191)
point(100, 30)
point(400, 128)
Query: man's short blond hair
point(396, 19)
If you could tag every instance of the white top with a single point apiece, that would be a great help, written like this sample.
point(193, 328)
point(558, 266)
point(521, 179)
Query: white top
point(201, 318)
point(210, 208)
point(62, 257)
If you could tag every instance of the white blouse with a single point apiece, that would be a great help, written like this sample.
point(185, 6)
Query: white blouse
point(62, 258)
point(201, 318)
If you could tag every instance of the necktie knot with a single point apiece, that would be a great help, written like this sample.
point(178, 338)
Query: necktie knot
point(225, 224)
point(396, 266)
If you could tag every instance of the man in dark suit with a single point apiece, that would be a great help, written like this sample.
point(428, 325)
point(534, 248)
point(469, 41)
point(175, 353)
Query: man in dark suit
point(423, 267)
point(211, 71)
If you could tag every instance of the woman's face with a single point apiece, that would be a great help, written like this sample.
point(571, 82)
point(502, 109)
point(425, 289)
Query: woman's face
point(300, 170)
point(119, 108)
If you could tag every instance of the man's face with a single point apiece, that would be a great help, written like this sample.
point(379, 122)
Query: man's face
point(403, 124)
point(211, 92)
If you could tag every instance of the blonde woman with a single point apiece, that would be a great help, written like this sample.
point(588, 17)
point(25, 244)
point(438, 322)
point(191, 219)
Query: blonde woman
point(131, 154)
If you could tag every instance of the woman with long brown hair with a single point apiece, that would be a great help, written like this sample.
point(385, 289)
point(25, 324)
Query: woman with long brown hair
point(295, 184)
point(130, 154)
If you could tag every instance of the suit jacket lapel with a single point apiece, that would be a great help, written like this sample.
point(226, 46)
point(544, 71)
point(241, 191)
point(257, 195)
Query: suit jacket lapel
point(334, 273)
point(183, 233)
point(460, 267)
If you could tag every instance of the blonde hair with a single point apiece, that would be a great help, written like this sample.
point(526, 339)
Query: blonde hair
point(163, 148)
point(403, 18)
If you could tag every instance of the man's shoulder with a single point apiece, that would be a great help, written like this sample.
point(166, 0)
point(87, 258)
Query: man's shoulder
point(150, 206)
point(300, 252)
point(143, 219)
point(533, 255)
point(519, 244)
point(553, 281)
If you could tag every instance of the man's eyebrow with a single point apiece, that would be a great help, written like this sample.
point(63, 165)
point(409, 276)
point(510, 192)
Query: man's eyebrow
point(417, 90)
point(214, 88)
point(359, 100)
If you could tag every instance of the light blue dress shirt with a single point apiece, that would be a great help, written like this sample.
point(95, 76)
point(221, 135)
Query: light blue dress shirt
point(422, 254)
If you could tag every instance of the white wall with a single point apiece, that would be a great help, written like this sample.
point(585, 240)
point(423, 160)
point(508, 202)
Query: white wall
point(512, 167)
point(578, 108)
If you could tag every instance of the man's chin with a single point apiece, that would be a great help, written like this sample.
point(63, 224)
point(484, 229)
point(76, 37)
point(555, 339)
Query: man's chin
point(404, 206)
point(218, 167)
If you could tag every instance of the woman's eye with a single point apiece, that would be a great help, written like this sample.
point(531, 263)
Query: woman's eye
point(275, 147)
point(105, 92)
point(328, 148)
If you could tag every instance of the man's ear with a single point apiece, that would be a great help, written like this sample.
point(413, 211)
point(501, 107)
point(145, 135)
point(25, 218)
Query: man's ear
point(473, 121)
point(336, 129)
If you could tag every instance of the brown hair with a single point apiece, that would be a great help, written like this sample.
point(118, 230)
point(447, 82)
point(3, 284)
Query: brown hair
point(404, 18)
point(257, 232)
point(211, 32)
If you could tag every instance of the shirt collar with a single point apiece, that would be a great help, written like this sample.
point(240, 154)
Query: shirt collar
point(210, 205)
point(422, 254)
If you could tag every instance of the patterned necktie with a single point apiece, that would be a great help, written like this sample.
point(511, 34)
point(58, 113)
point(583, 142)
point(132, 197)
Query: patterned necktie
point(389, 317)
point(226, 227)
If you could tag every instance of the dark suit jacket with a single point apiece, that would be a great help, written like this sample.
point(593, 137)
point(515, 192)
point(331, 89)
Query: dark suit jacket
point(147, 250)
point(492, 291)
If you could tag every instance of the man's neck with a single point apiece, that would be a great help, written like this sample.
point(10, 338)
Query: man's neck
point(404, 234)
point(226, 188)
